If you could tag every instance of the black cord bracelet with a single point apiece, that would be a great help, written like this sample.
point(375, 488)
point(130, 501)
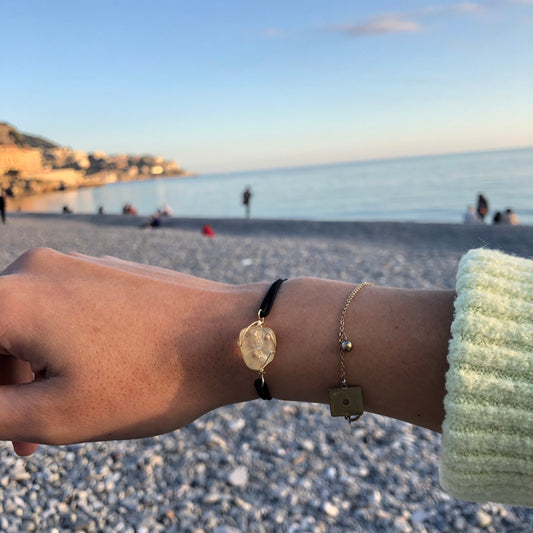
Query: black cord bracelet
point(258, 343)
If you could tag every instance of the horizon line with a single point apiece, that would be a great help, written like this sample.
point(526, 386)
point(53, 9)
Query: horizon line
point(367, 160)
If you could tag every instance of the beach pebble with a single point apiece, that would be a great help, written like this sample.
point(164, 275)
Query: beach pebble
point(237, 425)
point(401, 525)
point(308, 445)
point(331, 510)
point(484, 519)
point(239, 476)
point(20, 474)
point(375, 497)
point(212, 497)
point(460, 523)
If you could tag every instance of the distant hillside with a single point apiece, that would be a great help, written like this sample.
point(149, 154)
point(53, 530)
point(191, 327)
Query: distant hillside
point(10, 135)
point(38, 142)
point(32, 165)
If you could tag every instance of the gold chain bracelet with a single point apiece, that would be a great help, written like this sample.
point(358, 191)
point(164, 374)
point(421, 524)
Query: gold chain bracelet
point(346, 401)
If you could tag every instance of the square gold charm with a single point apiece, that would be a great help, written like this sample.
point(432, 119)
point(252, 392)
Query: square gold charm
point(347, 401)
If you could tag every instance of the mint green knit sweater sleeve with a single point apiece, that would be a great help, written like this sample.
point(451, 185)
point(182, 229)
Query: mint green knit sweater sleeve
point(487, 443)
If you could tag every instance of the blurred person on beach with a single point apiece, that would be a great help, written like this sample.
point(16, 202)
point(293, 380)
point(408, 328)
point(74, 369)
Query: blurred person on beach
point(482, 206)
point(246, 199)
point(510, 217)
point(128, 209)
point(427, 357)
point(154, 222)
point(208, 231)
point(471, 216)
point(507, 218)
point(3, 201)
point(166, 211)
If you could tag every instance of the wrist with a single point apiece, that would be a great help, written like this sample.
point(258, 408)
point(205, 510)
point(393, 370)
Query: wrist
point(304, 318)
point(306, 323)
point(232, 308)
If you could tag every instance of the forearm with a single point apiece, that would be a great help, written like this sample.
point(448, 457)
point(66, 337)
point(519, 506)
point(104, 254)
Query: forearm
point(400, 340)
point(143, 351)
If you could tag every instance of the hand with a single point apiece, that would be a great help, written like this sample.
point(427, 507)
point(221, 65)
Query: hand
point(117, 350)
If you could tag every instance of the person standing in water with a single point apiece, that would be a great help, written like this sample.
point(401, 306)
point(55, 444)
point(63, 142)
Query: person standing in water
point(482, 206)
point(246, 197)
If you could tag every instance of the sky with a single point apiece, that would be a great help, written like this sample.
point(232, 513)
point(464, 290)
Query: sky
point(229, 85)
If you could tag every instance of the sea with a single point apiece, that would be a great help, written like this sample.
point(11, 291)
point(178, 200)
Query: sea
point(435, 188)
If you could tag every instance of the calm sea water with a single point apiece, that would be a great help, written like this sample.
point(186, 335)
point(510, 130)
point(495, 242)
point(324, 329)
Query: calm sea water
point(423, 189)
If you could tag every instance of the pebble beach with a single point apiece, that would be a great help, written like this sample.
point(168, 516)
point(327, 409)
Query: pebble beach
point(255, 467)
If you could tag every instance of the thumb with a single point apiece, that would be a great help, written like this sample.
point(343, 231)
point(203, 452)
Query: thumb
point(24, 448)
point(16, 371)
point(30, 413)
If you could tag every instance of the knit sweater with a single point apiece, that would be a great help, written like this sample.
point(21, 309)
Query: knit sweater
point(487, 443)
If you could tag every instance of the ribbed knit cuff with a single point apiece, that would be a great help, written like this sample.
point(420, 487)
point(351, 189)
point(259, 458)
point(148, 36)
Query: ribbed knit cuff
point(487, 443)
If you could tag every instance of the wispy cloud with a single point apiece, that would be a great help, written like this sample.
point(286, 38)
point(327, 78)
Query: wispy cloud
point(409, 21)
point(379, 25)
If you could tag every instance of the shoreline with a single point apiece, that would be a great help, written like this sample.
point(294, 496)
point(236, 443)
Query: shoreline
point(36, 187)
point(411, 235)
point(120, 219)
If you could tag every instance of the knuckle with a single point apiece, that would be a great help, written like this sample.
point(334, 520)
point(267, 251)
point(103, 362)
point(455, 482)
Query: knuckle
point(33, 259)
point(37, 256)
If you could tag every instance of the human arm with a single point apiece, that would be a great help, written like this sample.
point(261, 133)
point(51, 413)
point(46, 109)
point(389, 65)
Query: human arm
point(122, 350)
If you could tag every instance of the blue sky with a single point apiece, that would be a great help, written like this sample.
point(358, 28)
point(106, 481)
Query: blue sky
point(232, 85)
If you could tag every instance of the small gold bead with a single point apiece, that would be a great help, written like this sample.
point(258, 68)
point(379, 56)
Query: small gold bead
point(346, 346)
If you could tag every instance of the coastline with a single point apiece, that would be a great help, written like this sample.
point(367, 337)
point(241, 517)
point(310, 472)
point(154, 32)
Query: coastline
point(61, 180)
point(417, 189)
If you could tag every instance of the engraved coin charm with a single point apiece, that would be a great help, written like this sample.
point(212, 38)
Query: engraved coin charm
point(346, 401)
point(258, 346)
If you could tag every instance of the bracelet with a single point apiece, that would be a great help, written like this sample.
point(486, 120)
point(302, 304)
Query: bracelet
point(258, 343)
point(346, 401)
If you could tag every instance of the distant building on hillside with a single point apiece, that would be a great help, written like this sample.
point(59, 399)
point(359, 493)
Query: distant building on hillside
point(25, 161)
point(30, 164)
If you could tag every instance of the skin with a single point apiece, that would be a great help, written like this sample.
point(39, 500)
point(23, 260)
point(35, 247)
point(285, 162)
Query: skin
point(120, 350)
